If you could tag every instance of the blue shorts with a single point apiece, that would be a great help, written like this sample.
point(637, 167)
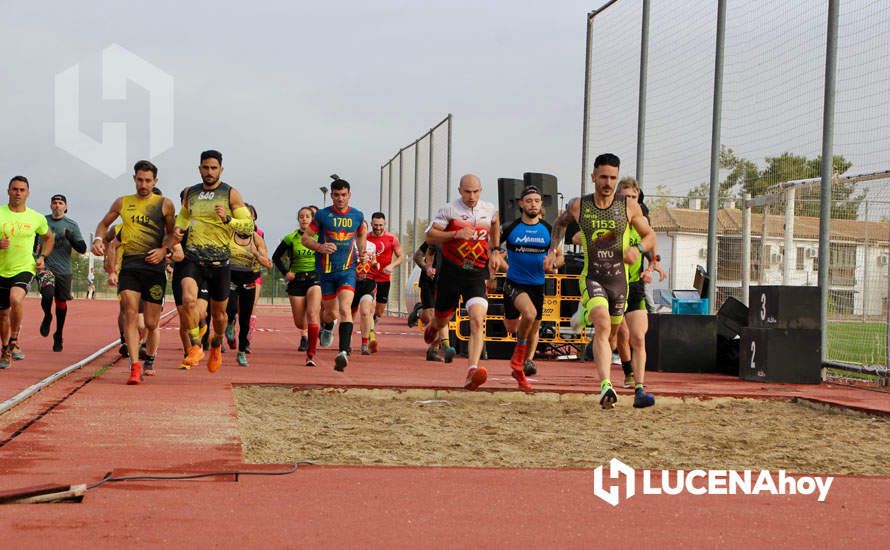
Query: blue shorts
point(331, 283)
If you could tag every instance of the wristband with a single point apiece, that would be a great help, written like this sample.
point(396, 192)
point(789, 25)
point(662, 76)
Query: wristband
point(640, 248)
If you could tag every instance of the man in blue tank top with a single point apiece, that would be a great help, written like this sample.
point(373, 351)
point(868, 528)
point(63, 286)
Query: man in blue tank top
point(526, 242)
point(339, 228)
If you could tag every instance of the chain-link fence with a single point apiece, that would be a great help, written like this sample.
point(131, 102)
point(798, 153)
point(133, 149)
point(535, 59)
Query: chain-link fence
point(733, 99)
point(414, 184)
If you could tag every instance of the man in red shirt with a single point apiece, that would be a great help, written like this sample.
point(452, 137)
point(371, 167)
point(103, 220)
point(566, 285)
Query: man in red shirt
point(389, 256)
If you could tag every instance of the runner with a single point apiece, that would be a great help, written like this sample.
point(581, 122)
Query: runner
point(203, 301)
point(389, 256)
point(19, 226)
point(55, 280)
point(303, 290)
point(429, 260)
point(366, 286)
point(527, 240)
point(339, 228)
point(145, 240)
point(212, 211)
point(467, 229)
point(604, 220)
point(248, 253)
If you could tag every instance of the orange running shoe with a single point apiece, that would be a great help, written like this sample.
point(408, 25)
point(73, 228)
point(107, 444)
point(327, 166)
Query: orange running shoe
point(196, 353)
point(214, 362)
point(135, 374)
point(476, 376)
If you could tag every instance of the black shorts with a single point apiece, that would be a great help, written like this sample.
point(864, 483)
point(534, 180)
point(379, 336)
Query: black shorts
point(149, 283)
point(176, 284)
point(512, 290)
point(636, 296)
point(302, 283)
point(363, 287)
point(59, 287)
point(613, 294)
point(21, 280)
point(215, 278)
point(454, 283)
point(382, 292)
point(242, 280)
point(427, 294)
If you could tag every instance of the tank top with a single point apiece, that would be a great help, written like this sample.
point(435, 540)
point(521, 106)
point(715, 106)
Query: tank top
point(606, 236)
point(209, 237)
point(142, 229)
point(240, 256)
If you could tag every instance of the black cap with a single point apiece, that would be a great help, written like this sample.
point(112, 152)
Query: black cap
point(529, 190)
point(58, 197)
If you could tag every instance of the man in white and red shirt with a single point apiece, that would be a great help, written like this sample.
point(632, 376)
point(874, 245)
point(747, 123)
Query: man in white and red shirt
point(389, 256)
point(466, 229)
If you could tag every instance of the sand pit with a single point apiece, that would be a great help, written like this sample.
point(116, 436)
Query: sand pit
point(510, 429)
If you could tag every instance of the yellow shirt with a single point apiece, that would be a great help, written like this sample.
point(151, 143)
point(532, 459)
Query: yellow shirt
point(21, 228)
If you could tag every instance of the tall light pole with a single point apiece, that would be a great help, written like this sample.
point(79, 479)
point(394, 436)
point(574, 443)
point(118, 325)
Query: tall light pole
point(324, 196)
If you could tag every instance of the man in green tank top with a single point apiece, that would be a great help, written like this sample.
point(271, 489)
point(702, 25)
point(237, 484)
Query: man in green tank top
point(605, 221)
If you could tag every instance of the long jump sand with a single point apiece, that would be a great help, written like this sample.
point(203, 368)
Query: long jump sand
point(510, 429)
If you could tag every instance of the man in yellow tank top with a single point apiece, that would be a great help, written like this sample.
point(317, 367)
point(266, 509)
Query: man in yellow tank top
point(212, 211)
point(18, 227)
point(146, 237)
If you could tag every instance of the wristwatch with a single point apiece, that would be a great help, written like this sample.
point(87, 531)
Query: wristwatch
point(640, 248)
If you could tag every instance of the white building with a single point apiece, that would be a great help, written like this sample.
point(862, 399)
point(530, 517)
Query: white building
point(858, 263)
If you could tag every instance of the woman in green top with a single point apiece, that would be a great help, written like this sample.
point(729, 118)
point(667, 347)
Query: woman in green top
point(303, 288)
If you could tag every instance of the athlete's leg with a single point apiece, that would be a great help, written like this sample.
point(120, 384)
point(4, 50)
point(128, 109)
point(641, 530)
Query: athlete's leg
point(298, 311)
point(638, 324)
point(476, 309)
point(17, 305)
point(344, 304)
point(533, 336)
point(599, 319)
point(151, 313)
point(129, 304)
point(313, 319)
point(247, 297)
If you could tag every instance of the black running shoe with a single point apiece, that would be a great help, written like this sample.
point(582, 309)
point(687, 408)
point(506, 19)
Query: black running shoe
point(57, 342)
point(304, 344)
point(44, 325)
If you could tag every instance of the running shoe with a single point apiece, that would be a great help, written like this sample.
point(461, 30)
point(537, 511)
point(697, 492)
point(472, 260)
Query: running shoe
point(643, 399)
point(242, 359)
point(414, 316)
point(432, 354)
point(5, 358)
point(529, 368)
point(310, 362)
point(373, 346)
point(448, 353)
point(17, 353)
point(44, 325)
point(304, 344)
point(608, 397)
point(616, 359)
point(326, 335)
point(629, 381)
point(184, 365)
point(143, 352)
point(135, 374)
point(476, 376)
point(214, 361)
point(579, 319)
point(57, 342)
point(365, 350)
point(230, 335)
point(196, 353)
point(148, 366)
point(518, 358)
point(520, 378)
point(123, 351)
point(341, 361)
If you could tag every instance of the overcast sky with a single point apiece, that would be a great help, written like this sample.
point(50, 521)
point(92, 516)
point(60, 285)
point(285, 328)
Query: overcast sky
point(291, 92)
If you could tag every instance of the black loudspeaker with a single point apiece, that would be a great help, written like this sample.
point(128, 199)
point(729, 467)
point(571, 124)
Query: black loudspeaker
point(732, 317)
point(784, 307)
point(681, 343)
point(509, 190)
point(781, 355)
point(549, 193)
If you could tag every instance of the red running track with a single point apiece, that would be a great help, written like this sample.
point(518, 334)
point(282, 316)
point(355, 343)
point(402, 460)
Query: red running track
point(184, 421)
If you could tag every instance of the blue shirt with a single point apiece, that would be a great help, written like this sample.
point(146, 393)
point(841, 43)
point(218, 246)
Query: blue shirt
point(527, 246)
point(339, 228)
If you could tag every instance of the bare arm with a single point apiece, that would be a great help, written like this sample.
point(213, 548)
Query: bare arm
point(98, 245)
point(569, 215)
point(641, 224)
point(261, 252)
point(420, 259)
point(47, 247)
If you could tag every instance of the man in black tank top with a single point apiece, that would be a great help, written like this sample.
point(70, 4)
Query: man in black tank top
point(605, 220)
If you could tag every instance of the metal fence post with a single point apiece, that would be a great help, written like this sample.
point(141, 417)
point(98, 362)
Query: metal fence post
point(746, 248)
point(585, 124)
point(414, 244)
point(381, 189)
point(448, 166)
point(399, 230)
point(865, 301)
point(429, 183)
point(790, 252)
point(716, 113)
point(827, 165)
point(641, 104)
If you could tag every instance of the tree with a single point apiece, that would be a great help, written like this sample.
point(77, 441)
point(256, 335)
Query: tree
point(660, 199)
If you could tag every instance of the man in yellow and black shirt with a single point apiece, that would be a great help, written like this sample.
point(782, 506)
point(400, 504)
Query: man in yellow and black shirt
point(212, 211)
point(146, 237)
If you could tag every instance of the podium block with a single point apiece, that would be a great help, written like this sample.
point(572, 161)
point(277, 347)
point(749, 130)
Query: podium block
point(681, 343)
point(784, 307)
point(781, 355)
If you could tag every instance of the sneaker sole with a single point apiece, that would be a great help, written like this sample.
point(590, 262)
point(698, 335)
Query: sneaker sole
point(340, 363)
point(608, 401)
point(449, 355)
